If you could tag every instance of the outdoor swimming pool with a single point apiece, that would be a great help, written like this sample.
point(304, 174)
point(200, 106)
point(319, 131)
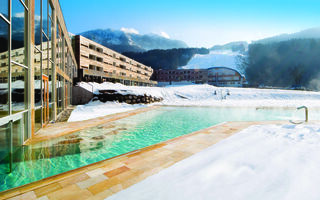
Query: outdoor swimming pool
point(91, 145)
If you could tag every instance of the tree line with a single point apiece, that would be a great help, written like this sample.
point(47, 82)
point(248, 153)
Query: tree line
point(166, 59)
point(283, 64)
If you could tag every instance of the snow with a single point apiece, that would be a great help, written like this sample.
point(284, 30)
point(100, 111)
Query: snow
point(98, 109)
point(214, 59)
point(194, 95)
point(260, 162)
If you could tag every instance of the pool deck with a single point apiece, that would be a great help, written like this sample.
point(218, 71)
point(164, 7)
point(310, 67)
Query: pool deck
point(105, 178)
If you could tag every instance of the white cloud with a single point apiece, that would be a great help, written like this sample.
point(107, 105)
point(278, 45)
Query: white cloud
point(129, 30)
point(164, 34)
point(19, 15)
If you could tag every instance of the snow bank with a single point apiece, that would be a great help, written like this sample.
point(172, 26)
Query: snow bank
point(260, 162)
point(99, 109)
point(195, 95)
point(207, 95)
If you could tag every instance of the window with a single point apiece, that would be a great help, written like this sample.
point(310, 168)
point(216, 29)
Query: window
point(45, 16)
point(4, 69)
point(91, 46)
point(92, 67)
point(37, 78)
point(37, 22)
point(19, 85)
point(4, 8)
point(99, 59)
point(100, 50)
point(18, 31)
point(92, 57)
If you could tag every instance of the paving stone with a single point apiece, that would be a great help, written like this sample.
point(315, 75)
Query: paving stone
point(91, 181)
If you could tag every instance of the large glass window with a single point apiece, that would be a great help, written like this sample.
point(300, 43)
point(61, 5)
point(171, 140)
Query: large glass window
point(4, 68)
point(5, 146)
point(45, 16)
point(45, 55)
point(18, 32)
point(60, 90)
point(51, 64)
point(4, 8)
point(37, 22)
point(18, 85)
point(37, 78)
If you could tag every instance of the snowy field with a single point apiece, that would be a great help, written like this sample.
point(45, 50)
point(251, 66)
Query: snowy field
point(261, 162)
point(194, 95)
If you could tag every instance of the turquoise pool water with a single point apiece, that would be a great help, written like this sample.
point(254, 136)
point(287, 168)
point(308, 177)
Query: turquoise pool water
point(91, 145)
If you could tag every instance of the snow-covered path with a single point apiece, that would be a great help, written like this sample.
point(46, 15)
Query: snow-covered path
point(260, 162)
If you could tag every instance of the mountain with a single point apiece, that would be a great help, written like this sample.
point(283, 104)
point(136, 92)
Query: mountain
point(166, 59)
point(312, 33)
point(240, 46)
point(124, 41)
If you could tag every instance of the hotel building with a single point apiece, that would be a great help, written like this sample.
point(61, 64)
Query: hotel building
point(98, 63)
point(217, 76)
point(37, 66)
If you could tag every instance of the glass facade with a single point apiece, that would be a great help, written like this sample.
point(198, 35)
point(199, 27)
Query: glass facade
point(4, 8)
point(14, 71)
point(32, 84)
point(4, 68)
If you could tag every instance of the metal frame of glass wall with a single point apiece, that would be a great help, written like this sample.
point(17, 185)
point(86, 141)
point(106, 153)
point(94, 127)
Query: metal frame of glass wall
point(43, 62)
point(30, 64)
point(15, 72)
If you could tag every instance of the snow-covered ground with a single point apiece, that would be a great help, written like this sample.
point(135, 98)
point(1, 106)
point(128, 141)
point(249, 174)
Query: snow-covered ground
point(261, 162)
point(214, 59)
point(195, 95)
point(99, 109)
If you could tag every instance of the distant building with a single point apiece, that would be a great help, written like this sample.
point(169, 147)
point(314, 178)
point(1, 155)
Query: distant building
point(224, 76)
point(218, 76)
point(99, 64)
point(167, 77)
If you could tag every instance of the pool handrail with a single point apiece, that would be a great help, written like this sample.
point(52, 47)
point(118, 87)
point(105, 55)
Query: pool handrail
point(306, 115)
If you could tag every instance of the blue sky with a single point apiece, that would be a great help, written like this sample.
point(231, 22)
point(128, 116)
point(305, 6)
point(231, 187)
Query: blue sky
point(197, 22)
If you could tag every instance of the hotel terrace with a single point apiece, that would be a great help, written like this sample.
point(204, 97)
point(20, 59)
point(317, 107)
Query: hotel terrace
point(99, 64)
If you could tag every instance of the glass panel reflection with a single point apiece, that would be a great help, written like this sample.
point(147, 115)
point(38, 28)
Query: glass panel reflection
point(45, 55)
point(4, 8)
point(59, 92)
point(18, 30)
point(37, 22)
point(4, 68)
point(5, 147)
point(17, 141)
point(37, 78)
point(45, 16)
point(18, 84)
point(38, 119)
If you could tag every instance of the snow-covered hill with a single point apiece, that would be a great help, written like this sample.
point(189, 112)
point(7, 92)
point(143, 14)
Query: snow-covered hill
point(124, 40)
point(214, 59)
point(304, 34)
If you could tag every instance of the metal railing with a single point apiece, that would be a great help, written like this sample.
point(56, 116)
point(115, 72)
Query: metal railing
point(306, 115)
